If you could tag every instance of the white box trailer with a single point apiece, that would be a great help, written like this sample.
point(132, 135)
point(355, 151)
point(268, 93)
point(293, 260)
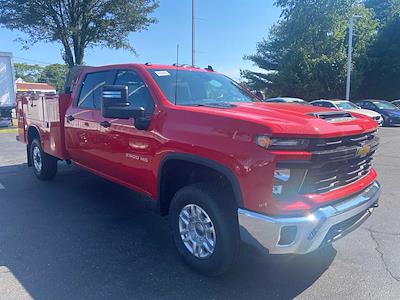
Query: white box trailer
point(7, 88)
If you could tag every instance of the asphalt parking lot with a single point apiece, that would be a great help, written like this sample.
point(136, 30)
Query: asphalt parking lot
point(81, 237)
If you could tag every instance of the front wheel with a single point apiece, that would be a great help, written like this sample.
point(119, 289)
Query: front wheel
point(44, 165)
point(386, 122)
point(205, 229)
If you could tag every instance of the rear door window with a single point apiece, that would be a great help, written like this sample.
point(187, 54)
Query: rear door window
point(90, 94)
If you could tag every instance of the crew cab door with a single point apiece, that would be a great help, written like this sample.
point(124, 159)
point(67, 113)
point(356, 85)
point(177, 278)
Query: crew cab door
point(83, 117)
point(113, 148)
point(130, 151)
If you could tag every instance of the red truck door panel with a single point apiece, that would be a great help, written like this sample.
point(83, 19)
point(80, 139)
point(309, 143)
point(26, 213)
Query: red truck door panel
point(82, 124)
point(116, 148)
point(129, 152)
point(21, 118)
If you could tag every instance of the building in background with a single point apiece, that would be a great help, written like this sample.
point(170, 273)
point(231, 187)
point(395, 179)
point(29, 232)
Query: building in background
point(33, 87)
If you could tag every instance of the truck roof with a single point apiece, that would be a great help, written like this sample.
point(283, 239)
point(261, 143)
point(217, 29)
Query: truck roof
point(174, 67)
point(151, 66)
point(76, 70)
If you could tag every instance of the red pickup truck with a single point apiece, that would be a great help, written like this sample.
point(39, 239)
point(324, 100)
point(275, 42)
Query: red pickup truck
point(223, 165)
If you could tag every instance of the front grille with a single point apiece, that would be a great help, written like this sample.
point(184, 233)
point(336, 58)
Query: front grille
point(337, 162)
point(336, 142)
point(321, 179)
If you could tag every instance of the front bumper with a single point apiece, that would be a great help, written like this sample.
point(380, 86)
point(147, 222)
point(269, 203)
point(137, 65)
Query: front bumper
point(379, 121)
point(301, 235)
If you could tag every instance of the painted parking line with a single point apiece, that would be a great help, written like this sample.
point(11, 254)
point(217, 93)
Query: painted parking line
point(2, 187)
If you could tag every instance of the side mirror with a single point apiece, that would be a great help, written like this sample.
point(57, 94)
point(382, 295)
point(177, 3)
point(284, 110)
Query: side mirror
point(115, 104)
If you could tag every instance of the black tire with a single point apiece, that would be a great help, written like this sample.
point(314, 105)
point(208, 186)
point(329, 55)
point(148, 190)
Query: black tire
point(221, 210)
point(386, 122)
point(48, 163)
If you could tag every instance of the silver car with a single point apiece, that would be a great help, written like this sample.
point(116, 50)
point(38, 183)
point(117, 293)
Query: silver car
point(350, 107)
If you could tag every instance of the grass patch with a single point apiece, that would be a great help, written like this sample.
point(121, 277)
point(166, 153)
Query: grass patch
point(8, 130)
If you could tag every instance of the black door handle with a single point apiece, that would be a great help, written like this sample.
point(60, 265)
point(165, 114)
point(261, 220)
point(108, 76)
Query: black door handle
point(105, 124)
point(70, 118)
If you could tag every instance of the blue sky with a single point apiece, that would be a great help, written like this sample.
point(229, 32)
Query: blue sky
point(226, 30)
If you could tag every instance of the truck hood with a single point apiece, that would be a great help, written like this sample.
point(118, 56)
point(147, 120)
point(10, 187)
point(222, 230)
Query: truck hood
point(296, 120)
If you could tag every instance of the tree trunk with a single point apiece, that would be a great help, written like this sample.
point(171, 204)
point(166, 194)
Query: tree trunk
point(68, 57)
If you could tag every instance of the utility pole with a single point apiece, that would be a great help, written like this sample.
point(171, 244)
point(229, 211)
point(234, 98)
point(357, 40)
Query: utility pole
point(193, 34)
point(349, 56)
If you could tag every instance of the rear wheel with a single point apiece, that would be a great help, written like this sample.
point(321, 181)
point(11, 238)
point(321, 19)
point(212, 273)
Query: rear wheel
point(44, 165)
point(204, 228)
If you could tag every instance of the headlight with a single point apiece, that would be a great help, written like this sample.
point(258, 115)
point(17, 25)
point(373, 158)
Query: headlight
point(281, 143)
point(287, 182)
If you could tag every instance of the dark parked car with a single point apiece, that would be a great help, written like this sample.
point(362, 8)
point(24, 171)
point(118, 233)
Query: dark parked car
point(5, 116)
point(389, 111)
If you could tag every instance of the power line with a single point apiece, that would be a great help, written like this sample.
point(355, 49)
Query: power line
point(32, 60)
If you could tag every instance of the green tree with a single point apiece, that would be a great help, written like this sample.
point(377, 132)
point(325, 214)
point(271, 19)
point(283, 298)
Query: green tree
point(28, 73)
point(78, 24)
point(384, 9)
point(382, 62)
point(54, 75)
point(305, 53)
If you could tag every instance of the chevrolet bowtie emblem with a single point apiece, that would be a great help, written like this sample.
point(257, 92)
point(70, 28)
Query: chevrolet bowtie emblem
point(363, 151)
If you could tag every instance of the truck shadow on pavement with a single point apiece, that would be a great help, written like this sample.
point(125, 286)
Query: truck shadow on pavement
point(80, 236)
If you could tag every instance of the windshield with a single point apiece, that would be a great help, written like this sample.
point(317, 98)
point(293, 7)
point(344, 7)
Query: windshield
point(198, 88)
point(346, 105)
point(384, 105)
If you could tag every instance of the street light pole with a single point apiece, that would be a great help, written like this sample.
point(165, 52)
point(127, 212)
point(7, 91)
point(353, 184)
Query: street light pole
point(349, 58)
point(193, 34)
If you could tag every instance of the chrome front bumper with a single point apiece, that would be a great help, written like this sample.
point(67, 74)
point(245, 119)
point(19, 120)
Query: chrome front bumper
point(301, 235)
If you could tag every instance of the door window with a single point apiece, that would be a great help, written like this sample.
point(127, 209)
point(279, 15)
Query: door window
point(138, 93)
point(327, 104)
point(367, 105)
point(90, 94)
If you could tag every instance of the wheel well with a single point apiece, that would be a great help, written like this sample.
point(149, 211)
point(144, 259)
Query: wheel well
point(176, 173)
point(32, 134)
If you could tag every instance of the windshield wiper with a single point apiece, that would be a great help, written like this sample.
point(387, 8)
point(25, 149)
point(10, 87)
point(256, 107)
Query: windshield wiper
point(214, 104)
